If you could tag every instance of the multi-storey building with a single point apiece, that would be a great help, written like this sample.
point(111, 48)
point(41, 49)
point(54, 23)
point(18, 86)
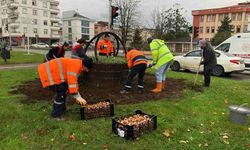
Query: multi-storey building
point(101, 26)
point(76, 26)
point(209, 20)
point(37, 19)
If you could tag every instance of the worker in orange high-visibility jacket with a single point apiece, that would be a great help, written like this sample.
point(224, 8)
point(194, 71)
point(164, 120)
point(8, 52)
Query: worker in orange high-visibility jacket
point(137, 63)
point(105, 46)
point(62, 75)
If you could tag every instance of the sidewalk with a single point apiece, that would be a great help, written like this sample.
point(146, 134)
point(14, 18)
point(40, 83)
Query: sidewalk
point(17, 66)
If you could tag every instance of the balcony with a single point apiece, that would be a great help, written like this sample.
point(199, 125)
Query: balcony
point(54, 9)
point(13, 4)
point(54, 18)
point(55, 27)
point(14, 24)
point(54, 2)
point(12, 15)
point(55, 36)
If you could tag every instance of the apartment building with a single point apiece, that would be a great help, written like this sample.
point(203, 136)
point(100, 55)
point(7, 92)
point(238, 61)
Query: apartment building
point(37, 19)
point(209, 20)
point(76, 26)
point(101, 26)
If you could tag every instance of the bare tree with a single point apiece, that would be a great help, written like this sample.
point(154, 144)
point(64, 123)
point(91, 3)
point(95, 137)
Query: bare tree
point(128, 16)
point(158, 23)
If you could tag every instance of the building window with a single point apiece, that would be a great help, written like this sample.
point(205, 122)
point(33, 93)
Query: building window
point(69, 23)
point(85, 30)
point(45, 31)
point(208, 30)
point(239, 16)
point(233, 30)
point(45, 4)
point(238, 29)
point(213, 18)
point(45, 22)
point(233, 16)
point(34, 12)
point(85, 23)
point(35, 21)
point(24, 1)
point(69, 30)
point(212, 29)
point(201, 30)
point(245, 28)
point(85, 37)
point(34, 3)
point(4, 11)
point(25, 10)
point(202, 19)
point(208, 18)
point(220, 18)
point(45, 13)
point(35, 31)
point(25, 29)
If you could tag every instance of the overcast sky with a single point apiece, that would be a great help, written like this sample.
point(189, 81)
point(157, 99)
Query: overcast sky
point(98, 9)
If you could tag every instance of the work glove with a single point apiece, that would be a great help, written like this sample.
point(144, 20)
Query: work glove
point(79, 99)
point(150, 65)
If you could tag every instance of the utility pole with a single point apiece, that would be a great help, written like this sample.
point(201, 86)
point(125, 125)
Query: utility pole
point(191, 43)
point(110, 15)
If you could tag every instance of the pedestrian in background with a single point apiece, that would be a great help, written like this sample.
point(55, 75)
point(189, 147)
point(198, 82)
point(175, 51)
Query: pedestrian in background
point(5, 51)
point(209, 61)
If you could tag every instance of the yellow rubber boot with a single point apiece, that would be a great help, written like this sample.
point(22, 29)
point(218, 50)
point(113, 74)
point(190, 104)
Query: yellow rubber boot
point(163, 85)
point(158, 88)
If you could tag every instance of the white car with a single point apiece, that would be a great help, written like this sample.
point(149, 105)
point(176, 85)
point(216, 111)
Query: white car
point(226, 63)
point(40, 45)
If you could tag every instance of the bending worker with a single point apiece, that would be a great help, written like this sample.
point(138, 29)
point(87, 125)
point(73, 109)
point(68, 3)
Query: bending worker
point(137, 63)
point(162, 59)
point(78, 49)
point(105, 46)
point(57, 52)
point(61, 74)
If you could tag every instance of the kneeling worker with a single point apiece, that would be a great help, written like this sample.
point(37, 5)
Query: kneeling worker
point(62, 75)
point(137, 63)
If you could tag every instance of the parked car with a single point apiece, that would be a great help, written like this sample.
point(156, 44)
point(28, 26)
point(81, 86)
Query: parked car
point(237, 45)
point(226, 63)
point(40, 45)
point(56, 44)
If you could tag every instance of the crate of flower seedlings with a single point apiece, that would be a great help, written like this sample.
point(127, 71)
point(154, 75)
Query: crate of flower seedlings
point(135, 125)
point(97, 109)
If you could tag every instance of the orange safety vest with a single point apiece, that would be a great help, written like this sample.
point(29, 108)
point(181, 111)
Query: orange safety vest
point(61, 70)
point(107, 50)
point(135, 57)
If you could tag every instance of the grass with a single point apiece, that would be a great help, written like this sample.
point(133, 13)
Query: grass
point(22, 57)
point(196, 121)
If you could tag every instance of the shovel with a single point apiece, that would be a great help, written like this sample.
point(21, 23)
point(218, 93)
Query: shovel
point(197, 73)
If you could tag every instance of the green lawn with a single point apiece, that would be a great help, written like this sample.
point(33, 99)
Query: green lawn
point(196, 121)
point(22, 57)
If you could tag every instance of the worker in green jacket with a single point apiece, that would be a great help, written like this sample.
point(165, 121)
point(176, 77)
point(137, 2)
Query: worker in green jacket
point(162, 60)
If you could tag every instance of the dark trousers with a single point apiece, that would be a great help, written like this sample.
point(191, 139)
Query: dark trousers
point(140, 70)
point(59, 106)
point(207, 77)
point(104, 54)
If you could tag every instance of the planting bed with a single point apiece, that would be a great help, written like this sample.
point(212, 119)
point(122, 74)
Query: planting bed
point(134, 126)
point(33, 92)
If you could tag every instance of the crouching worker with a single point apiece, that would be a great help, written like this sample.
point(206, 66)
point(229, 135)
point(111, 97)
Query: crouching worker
point(162, 60)
point(137, 63)
point(61, 74)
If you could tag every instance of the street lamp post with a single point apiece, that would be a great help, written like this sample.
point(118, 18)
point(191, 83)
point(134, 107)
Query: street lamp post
point(110, 14)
